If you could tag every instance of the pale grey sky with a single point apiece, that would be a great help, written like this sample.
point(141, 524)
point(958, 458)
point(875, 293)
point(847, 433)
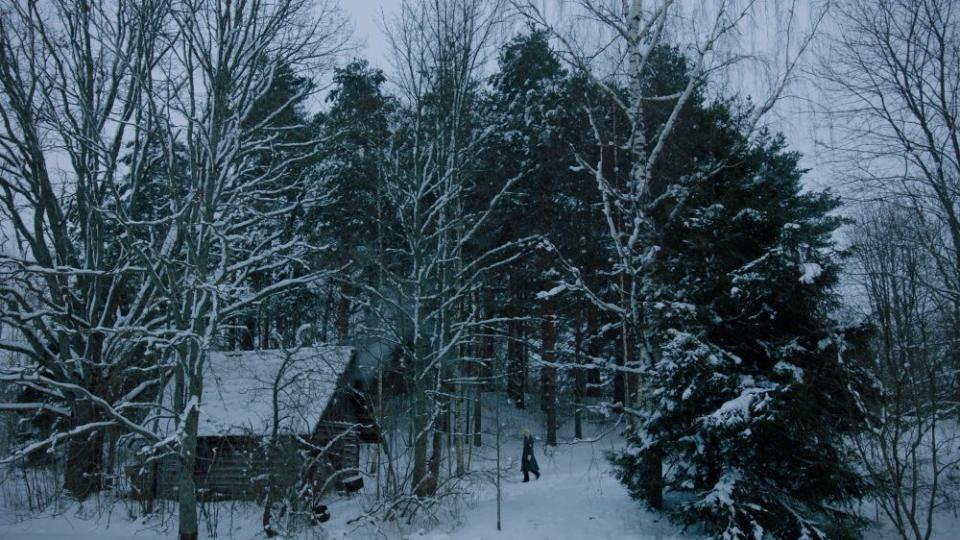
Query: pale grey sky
point(365, 16)
point(796, 116)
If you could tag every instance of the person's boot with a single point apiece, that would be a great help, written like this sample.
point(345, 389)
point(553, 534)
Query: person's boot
point(538, 474)
point(526, 477)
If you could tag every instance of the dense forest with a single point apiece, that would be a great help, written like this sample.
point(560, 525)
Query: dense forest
point(557, 212)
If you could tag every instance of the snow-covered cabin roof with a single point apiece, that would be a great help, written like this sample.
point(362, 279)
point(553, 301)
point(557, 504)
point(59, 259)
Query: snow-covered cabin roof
point(238, 389)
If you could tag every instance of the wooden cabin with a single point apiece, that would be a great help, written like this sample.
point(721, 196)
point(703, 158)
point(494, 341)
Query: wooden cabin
point(314, 396)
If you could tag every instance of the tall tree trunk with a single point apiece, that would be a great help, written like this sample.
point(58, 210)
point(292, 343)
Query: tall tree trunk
point(279, 328)
point(325, 318)
point(188, 388)
point(343, 312)
point(524, 361)
point(515, 363)
point(436, 453)
point(653, 479)
point(265, 337)
point(594, 386)
point(632, 362)
point(458, 432)
point(477, 420)
point(515, 356)
point(419, 430)
point(548, 371)
point(249, 333)
point(619, 382)
point(653, 460)
point(487, 352)
point(273, 461)
point(544, 383)
point(578, 375)
point(420, 472)
point(84, 460)
point(187, 488)
point(109, 467)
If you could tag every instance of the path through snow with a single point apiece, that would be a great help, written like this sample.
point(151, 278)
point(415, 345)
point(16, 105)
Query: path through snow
point(575, 498)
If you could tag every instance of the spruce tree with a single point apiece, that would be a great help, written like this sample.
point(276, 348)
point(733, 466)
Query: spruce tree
point(747, 395)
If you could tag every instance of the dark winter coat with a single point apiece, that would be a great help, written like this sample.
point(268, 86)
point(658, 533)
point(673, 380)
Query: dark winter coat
point(528, 462)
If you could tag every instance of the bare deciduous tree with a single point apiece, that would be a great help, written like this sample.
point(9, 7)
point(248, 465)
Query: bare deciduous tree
point(909, 446)
point(427, 306)
point(222, 67)
point(74, 81)
point(895, 68)
point(133, 261)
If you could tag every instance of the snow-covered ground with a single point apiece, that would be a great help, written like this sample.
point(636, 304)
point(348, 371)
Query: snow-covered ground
point(67, 526)
point(946, 525)
point(576, 497)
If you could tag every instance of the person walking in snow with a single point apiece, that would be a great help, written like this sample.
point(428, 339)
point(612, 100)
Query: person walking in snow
point(528, 463)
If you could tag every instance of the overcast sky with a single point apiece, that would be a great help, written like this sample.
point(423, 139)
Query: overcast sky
point(365, 15)
point(797, 116)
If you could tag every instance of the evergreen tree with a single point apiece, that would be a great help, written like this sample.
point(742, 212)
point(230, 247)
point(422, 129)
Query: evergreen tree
point(748, 393)
point(355, 134)
point(289, 156)
point(525, 106)
point(540, 116)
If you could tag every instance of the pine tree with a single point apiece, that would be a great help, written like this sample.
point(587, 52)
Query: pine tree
point(540, 116)
point(747, 395)
point(292, 152)
point(525, 107)
point(355, 134)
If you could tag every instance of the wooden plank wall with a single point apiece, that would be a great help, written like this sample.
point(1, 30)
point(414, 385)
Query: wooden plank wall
point(237, 467)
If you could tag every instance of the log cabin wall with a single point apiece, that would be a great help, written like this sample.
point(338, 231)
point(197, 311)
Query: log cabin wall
point(238, 467)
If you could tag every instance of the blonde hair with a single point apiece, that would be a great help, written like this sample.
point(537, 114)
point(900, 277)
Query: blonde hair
point(526, 433)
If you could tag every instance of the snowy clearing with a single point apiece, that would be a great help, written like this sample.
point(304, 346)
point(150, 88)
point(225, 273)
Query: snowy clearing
point(576, 497)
